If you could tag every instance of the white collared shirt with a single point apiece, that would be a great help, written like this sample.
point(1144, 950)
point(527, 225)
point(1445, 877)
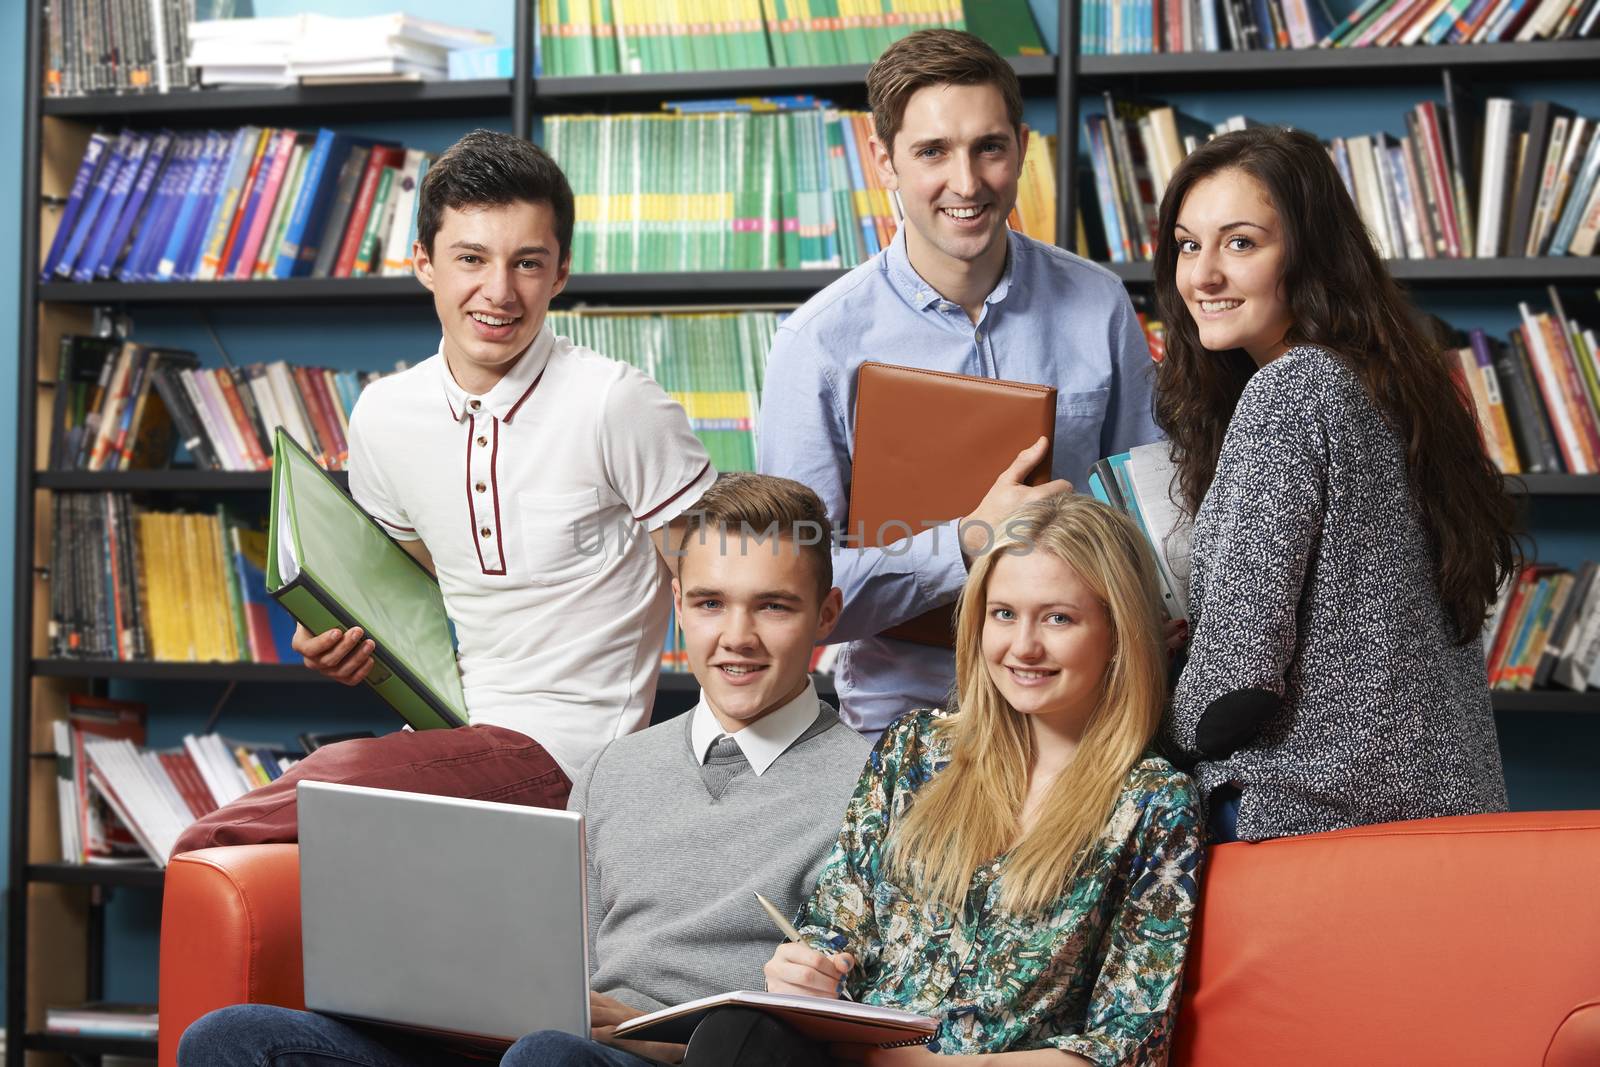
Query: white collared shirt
point(762, 741)
point(535, 500)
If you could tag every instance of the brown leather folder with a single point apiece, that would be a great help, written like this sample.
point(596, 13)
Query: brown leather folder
point(928, 447)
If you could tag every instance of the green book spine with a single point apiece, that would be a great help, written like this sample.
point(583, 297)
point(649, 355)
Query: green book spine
point(791, 255)
point(369, 238)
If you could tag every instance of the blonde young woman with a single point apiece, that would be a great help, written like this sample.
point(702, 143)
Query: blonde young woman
point(1021, 867)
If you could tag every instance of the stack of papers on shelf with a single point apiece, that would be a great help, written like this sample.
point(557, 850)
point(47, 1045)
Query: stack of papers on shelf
point(323, 48)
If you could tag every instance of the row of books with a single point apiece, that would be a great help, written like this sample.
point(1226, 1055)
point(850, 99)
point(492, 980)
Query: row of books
point(652, 36)
point(743, 189)
point(120, 405)
point(1144, 27)
point(119, 46)
point(256, 202)
point(1537, 395)
point(1545, 630)
point(711, 363)
point(121, 802)
point(1532, 190)
point(322, 49)
point(133, 583)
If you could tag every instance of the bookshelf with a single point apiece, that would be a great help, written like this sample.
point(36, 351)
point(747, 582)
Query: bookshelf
point(61, 906)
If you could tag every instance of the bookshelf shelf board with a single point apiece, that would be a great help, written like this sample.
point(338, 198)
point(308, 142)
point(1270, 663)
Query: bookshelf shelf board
point(554, 94)
point(1554, 484)
point(1563, 700)
point(287, 291)
point(80, 1045)
point(144, 670)
point(1530, 270)
point(141, 877)
point(1228, 70)
point(298, 102)
point(185, 479)
point(701, 287)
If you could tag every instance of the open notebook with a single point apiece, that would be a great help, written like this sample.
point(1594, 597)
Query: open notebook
point(818, 1018)
point(331, 565)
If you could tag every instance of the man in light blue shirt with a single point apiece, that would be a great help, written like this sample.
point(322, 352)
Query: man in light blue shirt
point(956, 291)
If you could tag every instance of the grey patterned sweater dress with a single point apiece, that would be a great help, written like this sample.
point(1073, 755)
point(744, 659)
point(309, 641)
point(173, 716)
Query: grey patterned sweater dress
point(1313, 579)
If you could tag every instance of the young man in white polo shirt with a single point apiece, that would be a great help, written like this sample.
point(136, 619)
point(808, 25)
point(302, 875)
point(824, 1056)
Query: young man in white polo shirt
point(525, 472)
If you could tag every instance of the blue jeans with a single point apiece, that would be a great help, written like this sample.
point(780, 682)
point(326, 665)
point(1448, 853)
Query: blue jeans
point(261, 1035)
point(552, 1048)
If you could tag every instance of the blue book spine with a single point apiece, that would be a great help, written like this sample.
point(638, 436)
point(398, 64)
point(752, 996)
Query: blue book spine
point(155, 158)
point(858, 180)
point(411, 234)
point(189, 206)
point(1578, 199)
point(1269, 40)
point(1211, 34)
point(349, 387)
point(94, 200)
point(147, 244)
point(248, 211)
point(111, 211)
point(1506, 19)
point(227, 201)
point(297, 254)
point(1458, 29)
point(188, 263)
point(93, 155)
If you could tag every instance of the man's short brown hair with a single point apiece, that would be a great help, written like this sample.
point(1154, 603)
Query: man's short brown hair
point(935, 57)
point(764, 507)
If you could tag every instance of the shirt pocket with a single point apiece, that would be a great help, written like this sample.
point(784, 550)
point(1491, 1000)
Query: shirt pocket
point(562, 538)
point(1079, 417)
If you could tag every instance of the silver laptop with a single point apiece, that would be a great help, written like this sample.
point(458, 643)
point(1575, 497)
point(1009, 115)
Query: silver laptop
point(431, 913)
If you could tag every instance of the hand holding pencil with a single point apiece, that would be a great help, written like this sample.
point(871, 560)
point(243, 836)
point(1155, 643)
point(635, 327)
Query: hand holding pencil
point(797, 968)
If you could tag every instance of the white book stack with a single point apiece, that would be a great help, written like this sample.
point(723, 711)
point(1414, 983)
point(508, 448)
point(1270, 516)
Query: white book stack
point(323, 48)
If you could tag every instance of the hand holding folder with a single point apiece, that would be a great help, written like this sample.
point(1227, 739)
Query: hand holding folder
point(331, 566)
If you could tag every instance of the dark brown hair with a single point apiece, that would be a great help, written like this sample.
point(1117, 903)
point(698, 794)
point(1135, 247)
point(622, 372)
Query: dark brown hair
point(491, 168)
point(935, 57)
point(1342, 299)
point(766, 507)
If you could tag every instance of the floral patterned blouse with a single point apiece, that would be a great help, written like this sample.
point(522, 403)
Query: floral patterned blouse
point(1096, 974)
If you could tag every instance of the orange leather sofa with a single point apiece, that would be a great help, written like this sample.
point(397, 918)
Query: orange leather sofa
point(1461, 942)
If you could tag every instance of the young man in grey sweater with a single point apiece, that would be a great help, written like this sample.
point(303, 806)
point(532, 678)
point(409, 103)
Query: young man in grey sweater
point(685, 821)
point(688, 820)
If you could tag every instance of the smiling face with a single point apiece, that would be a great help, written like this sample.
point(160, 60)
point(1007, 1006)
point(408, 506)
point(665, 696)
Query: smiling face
point(751, 614)
point(1230, 265)
point(955, 162)
point(1046, 639)
point(493, 271)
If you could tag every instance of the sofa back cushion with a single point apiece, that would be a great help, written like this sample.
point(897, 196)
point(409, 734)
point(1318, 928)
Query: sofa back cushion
point(1464, 940)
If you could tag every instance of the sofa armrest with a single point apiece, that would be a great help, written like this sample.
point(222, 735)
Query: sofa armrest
point(1577, 1040)
point(230, 934)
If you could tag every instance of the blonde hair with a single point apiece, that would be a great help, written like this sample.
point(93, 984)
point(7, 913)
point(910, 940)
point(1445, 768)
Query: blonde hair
point(971, 811)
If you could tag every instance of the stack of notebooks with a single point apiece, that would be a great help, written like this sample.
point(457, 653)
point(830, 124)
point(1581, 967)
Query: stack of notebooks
point(319, 49)
point(124, 406)
point(1142, 27)
point(256, 202)
point(102, 1019)
point(1545, 630)
point(1537, 395)
point(648, 37)
point(177, 587)
point(1140, 484)
point(754, 185)
point(1467, 180)
point(121, 802)
point(711, 363)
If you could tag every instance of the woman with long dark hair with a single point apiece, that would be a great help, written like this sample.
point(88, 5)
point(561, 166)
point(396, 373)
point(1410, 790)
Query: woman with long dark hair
point(1349, 530)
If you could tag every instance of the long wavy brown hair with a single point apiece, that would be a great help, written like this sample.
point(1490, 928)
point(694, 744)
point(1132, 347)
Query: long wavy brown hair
point(1342, 299)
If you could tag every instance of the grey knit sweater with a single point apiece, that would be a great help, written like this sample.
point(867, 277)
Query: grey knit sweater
point(1313, 579)
point(673, 869)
